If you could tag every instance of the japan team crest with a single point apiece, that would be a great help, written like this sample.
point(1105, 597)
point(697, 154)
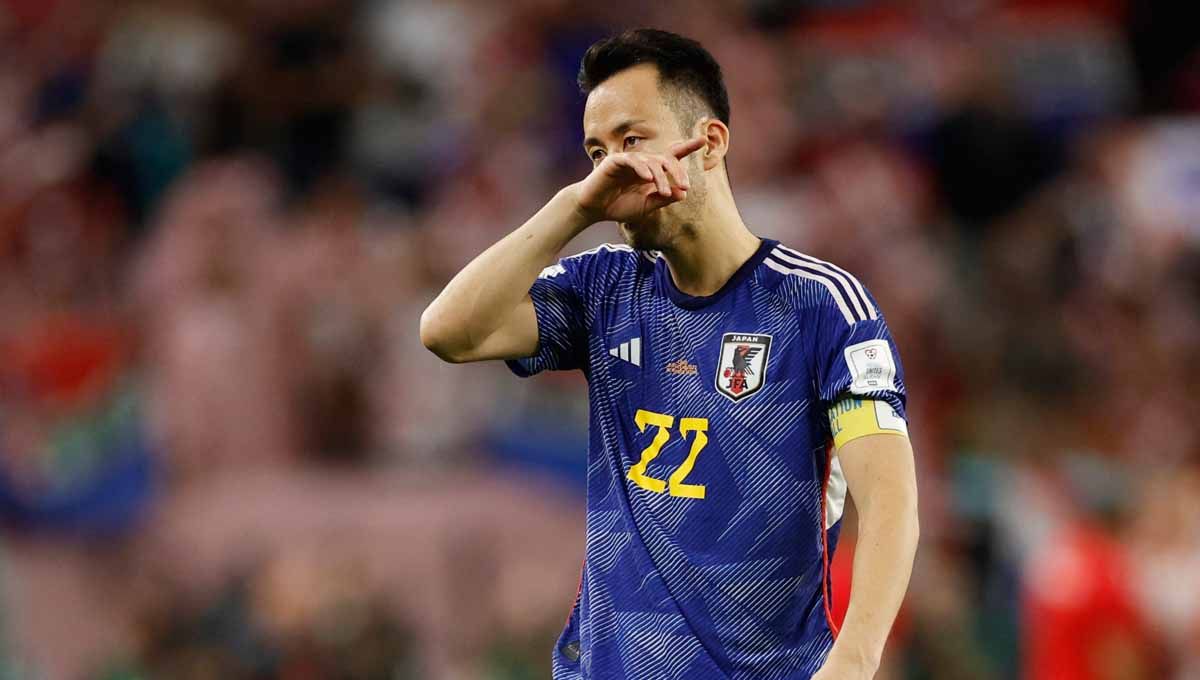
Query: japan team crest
point(742, 369)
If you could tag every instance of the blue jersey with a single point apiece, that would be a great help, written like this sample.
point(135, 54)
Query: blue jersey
point(713, 503)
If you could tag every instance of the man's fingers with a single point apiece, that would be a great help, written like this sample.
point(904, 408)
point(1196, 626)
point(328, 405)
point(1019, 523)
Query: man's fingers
point(679, 174)
point(637, 165)
point(680, 150)
point(660, 178)
point(656, 200)
point(665, 173)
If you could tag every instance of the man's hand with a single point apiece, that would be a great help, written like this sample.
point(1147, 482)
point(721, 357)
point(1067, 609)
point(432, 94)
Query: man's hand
point(626, 187)
point(485, 312)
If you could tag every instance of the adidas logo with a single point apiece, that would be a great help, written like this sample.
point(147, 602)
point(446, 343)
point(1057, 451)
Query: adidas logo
point(630, 351)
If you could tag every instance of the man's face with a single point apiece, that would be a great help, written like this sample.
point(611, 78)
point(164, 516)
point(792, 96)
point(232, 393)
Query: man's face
point(628, 112)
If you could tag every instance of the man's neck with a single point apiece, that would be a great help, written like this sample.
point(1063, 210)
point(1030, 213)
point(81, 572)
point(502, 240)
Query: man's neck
point(702, 261)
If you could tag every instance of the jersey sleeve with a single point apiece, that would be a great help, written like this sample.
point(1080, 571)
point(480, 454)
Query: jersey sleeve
point(856, 355)
point(559, 304)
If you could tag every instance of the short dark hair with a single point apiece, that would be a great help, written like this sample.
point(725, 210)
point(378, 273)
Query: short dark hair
point(681, 62)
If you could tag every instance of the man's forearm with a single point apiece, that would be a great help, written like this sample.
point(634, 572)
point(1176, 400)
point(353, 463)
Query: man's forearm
point(479, 299)
point(883, 557)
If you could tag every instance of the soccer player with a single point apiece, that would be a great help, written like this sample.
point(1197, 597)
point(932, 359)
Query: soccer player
point(738, 389)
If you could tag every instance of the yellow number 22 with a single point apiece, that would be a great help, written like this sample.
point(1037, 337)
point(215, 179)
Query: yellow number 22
point(674, 484)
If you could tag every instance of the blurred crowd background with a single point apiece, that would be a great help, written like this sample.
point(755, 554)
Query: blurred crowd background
point(224, 453)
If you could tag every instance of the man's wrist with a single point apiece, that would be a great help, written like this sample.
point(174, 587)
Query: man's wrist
point(855, 662)
point(581, 217)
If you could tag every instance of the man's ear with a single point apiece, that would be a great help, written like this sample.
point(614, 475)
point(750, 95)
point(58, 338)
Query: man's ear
point(716, 142)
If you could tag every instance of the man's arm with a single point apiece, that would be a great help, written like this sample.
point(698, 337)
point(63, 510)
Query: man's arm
point(485, 312)
point(881, 476)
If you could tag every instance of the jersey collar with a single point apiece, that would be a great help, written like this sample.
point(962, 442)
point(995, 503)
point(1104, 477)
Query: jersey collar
point(686, 301)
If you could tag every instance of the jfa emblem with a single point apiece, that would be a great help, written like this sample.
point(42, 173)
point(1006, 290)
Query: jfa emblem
point(742, 370)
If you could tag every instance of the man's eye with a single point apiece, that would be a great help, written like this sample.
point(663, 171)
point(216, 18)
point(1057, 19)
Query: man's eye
point(631, 141)
point(597, 155)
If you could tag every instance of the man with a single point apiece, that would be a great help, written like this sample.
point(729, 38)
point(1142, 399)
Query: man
point(737, 389)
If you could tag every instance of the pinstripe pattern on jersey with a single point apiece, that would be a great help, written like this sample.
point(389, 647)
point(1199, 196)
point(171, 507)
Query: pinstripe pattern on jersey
point(731, 585)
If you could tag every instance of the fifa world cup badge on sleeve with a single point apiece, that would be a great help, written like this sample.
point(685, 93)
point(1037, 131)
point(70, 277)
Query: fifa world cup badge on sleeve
point(742, 370)
point(872, 368)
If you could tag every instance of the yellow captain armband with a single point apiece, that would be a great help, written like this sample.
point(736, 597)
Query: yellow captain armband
point(853, 417)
